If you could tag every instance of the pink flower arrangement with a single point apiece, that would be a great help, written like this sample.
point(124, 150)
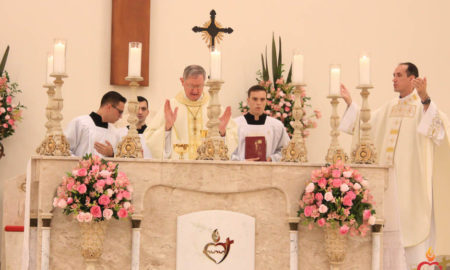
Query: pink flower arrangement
point(10, 114)
point(94, 191)
point(338, 195)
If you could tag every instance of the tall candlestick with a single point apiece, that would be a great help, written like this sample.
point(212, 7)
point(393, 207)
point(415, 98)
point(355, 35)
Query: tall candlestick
point(59, 56)
point(364, 70)
point(215, 65)
point(49, 79)
point(297, 69)
point(335, 80)
point(134, 59)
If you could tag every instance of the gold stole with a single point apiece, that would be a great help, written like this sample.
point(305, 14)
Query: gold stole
point(195, 120)
point(404, 108)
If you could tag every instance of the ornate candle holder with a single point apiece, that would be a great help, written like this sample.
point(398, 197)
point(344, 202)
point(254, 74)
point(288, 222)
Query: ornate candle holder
point(213, 147)
point(55, 142)
point(130, 146)
point(365, 151)
point(335, 151)
point(296, 150)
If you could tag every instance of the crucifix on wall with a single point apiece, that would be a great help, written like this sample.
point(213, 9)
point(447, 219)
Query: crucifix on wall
point(130, 22)
point(212, 31)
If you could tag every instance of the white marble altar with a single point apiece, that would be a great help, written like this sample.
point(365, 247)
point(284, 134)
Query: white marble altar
point(166, 190)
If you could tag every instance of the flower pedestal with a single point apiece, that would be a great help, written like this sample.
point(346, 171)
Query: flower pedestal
point(335, 245)
point(92, 236)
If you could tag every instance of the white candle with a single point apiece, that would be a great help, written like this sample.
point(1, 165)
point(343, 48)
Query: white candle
point(335, 80)
point(364, 70)
point(215, 65)
point(297, 69)
point(134, 59)
point(49, 68)
point(59, 57)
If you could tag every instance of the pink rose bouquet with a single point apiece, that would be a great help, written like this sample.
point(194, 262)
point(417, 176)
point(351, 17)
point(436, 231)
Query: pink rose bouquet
point(94, 191)
point(338, 195)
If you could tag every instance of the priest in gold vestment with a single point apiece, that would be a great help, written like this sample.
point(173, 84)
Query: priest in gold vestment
point(411, 134)
point(184, 118)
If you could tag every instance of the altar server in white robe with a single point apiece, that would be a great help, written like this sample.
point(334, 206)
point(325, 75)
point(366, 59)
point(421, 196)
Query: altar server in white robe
point(94, 133)
point(257, 123)
point(141, 125)
point(184, 123)
point(412, 134)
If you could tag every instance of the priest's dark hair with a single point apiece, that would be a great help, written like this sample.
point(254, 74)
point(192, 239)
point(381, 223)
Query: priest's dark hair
point(141, 99)
point(411, 69)
point(113, 98)
point(193, 70)
point(255, 88)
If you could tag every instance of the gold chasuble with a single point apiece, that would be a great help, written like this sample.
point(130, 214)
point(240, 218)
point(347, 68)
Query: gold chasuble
point(407, 137)
point(191, 120)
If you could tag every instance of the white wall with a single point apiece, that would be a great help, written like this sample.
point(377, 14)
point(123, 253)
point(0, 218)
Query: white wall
point(327, 31)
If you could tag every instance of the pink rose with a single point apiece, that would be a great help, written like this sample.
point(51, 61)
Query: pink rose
point(109, 192)
point(5, 125)
point(287, 109)
point(55, 202)
point(321, 222)
point(82, 189)
point(8, 99)
point(322, 182)
point(309, 188)
point(122, 213)
point(329, 196)
point(319, 197)
point(80, 217)
point(104, 200)
point(346, 211)
point(336, 173)
point(107, 213)
point(347, 201)
point(323, 208)
point(356, 186)
point(100, 183)
point(344, 229)
point(308, 211)
point(336, 182)
point(344, 188)
point(366, 214)
point(126, 195)
point(69, 200)
point(126, 205)
point(96, 211)
point(109, 181)
point(87, 217)
point(69, 186)
point(82, 172)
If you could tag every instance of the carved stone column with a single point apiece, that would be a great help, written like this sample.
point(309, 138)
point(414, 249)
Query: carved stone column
point(45, 248)
point(213, 147)
point(136, 241)
point(377, 245)
point(293, 236)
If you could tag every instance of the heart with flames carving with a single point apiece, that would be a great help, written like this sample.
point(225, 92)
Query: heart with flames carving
point(217, 251)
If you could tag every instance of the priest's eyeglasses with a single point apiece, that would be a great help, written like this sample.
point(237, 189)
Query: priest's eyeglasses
point(119, 110)
point(192, 86)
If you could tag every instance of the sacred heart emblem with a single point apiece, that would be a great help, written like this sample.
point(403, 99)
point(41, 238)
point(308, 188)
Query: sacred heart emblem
point(217, 251)
point(430, 257)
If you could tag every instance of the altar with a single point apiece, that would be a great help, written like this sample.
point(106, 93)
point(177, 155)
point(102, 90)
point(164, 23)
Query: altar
point(166, 190)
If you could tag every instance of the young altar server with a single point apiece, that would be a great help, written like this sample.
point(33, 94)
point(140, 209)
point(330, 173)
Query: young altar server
point(94, 133)
point(256, 130)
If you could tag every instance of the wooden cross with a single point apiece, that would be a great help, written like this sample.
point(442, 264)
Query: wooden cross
point(213, 29)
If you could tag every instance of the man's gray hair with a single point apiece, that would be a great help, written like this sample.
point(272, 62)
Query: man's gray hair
point(194, 70)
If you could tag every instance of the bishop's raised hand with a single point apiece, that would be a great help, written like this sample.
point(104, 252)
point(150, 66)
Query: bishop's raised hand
point(170, 116)
point(224, 119)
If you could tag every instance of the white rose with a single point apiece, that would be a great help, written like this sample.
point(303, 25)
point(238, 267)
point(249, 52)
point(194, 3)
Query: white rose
point(323, 208)
point(87, 217)
point(80, 217)
point(357, 186)
point(310, 187)
point(347, 174)
point(55, 202)
point(105, 173)
point(62, 203)
point(126, 205)
point(372, 220)
point(109, 192)
point(344, 188)
point(365, 183)
point(328, 196)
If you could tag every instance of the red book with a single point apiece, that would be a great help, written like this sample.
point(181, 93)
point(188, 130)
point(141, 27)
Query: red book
point(255, 147)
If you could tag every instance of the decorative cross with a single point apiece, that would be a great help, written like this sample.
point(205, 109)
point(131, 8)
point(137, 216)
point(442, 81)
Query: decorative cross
point(212, 30)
